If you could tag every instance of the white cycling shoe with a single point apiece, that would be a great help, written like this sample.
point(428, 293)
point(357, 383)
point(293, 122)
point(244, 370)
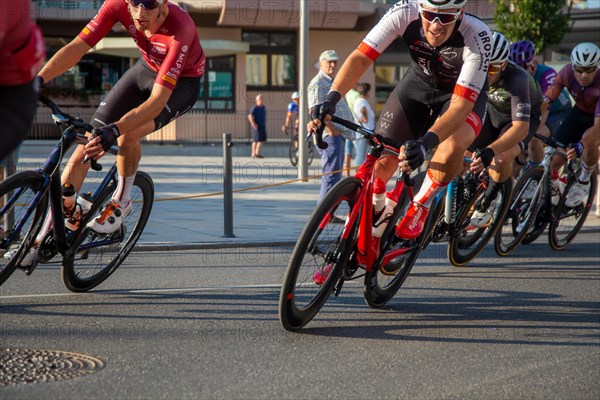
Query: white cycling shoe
point(111, 218)
point(577, 194)
point(27, 261)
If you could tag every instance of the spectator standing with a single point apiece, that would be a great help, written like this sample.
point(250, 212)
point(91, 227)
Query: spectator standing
point(258, 119)
point(365, 116)
point(332, 157)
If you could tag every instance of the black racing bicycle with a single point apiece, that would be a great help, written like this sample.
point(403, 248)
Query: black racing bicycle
point(88, 257)
point(294, 150)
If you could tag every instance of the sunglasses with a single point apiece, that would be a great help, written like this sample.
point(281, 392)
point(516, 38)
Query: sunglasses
point(581, 70)
point(493, 69)
point(443, 18)
point(147, 4)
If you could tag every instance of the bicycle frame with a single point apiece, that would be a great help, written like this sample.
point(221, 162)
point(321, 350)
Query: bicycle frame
point(52, 183)
point(366, 173)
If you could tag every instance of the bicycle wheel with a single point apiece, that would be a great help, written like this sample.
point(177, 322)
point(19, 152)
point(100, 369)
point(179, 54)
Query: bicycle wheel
point(568, 221)
point(94, 257)
point(527, 200)
point(293, 151)
point(380, 287)
point(320, 251)
point(468, 241)
point(20, 218)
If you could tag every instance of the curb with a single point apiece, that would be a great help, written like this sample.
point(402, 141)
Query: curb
point(172, 246)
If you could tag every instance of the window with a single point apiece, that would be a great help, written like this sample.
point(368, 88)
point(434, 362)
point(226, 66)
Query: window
point(271, 62)
point(217, 90)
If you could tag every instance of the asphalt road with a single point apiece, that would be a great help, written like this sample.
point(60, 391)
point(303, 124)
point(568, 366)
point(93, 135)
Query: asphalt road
point(203, 324)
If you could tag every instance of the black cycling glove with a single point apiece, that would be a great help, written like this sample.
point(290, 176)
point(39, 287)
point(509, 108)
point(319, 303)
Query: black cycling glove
point(327, 107)
point(486, 155)
point(578, 146)
point(108, 135)
point(416, 150)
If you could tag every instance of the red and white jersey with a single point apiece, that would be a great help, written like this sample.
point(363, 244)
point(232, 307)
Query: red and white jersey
point(459, 66)
point(172, 52)
point(22, 49)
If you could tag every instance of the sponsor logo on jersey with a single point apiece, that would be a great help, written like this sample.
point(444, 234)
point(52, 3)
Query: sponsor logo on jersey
point(169, 79)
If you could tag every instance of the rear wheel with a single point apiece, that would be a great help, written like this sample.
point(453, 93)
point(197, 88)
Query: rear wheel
point(320, 256)
point(568, 221)
point(527, 199)
point(94, 257)
point(468, 241)
point(20, 220)
point(294, 152)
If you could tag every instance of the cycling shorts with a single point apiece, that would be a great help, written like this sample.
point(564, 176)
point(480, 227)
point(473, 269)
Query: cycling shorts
point(573, 126)
point(413, 106)
point(18, 105)
point(135, 87)
point(496, 124)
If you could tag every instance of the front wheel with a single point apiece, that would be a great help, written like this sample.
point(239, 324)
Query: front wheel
point(568, 221)
point(95, 257)
point(468, 241)
point(20, 218)
point(294, 151)
point(320, 256)
point(528, 197)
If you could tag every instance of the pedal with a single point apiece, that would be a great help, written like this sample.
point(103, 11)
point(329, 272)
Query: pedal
point(47, 250)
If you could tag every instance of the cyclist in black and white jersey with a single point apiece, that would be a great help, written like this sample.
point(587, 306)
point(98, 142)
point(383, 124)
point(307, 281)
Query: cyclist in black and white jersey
point(441, 100)
point(513, 116)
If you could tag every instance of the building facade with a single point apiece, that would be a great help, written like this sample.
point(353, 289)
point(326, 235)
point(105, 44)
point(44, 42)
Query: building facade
point(251, 46)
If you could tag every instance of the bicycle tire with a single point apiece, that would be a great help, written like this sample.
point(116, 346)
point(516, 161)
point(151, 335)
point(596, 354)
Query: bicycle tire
point(380, 288)
point(31, 182)
point(467, 243)
point(97, 264)
point(568, 221)
point(521, 213)
point(293, 151)
point(319, 246)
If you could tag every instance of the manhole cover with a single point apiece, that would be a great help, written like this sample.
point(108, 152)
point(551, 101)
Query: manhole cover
point(27, 366)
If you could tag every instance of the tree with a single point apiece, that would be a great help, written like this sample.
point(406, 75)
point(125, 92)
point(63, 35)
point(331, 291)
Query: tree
point(543, 22)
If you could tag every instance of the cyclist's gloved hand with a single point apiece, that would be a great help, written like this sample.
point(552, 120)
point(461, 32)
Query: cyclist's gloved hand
point(108, 135)
point(38, 84)
point(578, 147)
point(416, 150)
point(486, 156)
point(327, 107)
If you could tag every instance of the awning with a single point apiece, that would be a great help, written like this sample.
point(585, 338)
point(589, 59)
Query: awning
point(126, 47)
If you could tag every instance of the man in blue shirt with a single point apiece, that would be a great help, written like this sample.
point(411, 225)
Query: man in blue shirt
point(258, 122)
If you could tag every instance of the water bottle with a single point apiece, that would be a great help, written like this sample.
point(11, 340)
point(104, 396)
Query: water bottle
point(69, 199)
point(82, 207)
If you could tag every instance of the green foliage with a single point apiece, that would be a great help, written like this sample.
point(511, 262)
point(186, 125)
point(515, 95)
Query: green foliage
point(544, 22)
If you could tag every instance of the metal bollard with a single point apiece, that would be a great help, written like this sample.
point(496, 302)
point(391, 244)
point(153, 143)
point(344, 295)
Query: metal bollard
point(227, 186)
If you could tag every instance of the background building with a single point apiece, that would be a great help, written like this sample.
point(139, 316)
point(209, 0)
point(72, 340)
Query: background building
point(251, 47)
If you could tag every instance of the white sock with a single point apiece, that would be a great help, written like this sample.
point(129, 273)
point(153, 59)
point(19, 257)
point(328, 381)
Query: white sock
point(430, 188)
point(586, 172)
point(123, 193)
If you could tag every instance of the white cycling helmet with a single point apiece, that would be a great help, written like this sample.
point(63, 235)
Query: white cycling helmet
point(500, 49)
point(443, 4)
point(295, 96)
point(585, 55)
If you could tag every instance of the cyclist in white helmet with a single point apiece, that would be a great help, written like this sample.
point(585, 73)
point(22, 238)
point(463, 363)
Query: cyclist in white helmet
point(581, 127)
point(440, 101)
point(513, 117)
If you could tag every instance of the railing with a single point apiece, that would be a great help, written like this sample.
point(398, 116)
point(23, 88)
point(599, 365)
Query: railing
point(70, 5)
point(196, 126)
